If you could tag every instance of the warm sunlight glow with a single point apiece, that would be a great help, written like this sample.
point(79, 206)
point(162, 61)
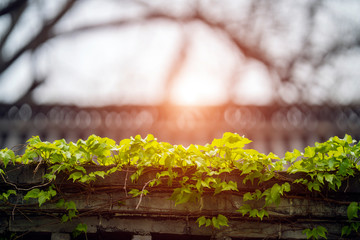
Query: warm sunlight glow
point(195, 91)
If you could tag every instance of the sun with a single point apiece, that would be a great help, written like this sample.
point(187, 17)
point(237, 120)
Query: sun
point(188, 93)
point(197, 91)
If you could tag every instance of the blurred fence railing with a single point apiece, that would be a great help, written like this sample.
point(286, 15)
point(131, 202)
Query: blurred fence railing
point(272, 128)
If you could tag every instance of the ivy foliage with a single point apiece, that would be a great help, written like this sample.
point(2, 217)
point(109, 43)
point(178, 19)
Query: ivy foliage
point(191, 171)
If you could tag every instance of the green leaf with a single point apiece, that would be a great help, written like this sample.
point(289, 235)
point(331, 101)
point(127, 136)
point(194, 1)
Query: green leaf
point(201, 220)
point(71, 213)
point(348, 139)
point(183, 198)
point(6, 155)
point(64, 218)
point(134, 192)
point(222, 220)
point(51, 191)
point(34, 140)
point(5, 196)
point(248, 196)
point(313, 186)
point(215, 222)
point(87, 179)
point(208, 222)
point(274, 196)
point(80, 228)
point(346, 230)
point(292, 156)
point(34, 193)
point(309, 152)
point(331, 163)
point(42, 199)
point(100, 174)
point(80, 168)
point(244, 209)
point(355, 226)
point(76, 175)
point(253, 213)
point(286, 187)
point(321, 231)
point(70, 205)
point(320, 178)
point(316, 232)
point(308, 233)
point(60, 203)
point(352, 210)
point(329, 177)
point(262, 213)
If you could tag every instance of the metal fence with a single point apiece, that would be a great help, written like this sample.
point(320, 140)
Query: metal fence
point(272, 128)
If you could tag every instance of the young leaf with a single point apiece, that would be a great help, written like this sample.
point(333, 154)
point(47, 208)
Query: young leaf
point(80, 168)
point(64, 218)
point(215, 222)
point(248, 196)
point(5, 196)
point(134, 192)
point(70, 205)
point(74, 176)
point(244, 209)
point(80, 228)
point(223, 221)
point(6, 155)
point(100, 174)
point(208, 222)
point(329, 177)
point(34, 193)
point(309, 152)
point(321, 231)
point(262, 213)
point(201, 220)
point(42, 198)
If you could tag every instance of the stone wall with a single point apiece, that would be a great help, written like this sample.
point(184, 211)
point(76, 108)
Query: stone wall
point(111, 214)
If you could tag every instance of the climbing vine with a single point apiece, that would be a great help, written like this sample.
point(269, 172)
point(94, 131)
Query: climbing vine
point(190, 171)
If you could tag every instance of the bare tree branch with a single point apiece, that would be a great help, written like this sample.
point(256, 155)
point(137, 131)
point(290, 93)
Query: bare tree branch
point(15, 16)
point(40, 38)
point(248, 38)
point(13, 6)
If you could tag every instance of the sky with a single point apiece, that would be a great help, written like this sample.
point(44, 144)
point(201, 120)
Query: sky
point(129, 65)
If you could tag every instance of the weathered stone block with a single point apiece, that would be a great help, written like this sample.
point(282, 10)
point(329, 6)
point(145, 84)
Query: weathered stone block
point(60, 236)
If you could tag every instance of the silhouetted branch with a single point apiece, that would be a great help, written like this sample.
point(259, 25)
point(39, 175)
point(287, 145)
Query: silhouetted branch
point(247, 36)
point(39, 38)
point(13, 6)
point(15, 16)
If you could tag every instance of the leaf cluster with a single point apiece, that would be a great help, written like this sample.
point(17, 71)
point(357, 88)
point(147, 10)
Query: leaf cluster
point(216, 222)
point(316, 233)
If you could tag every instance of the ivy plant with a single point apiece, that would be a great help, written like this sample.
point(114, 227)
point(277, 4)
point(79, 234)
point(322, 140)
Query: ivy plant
point(189, 171)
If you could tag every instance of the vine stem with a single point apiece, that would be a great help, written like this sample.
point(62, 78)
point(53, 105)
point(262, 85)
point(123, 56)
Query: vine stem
point(37, 167)
point(142, 193)
point(24, 189)
point(13, 211)
point(30, 188)
point(126, 176)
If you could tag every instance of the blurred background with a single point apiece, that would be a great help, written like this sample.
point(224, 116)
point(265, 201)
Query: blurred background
point(283, 73)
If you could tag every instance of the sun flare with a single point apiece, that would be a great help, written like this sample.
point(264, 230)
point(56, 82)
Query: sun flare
point(194, 91)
